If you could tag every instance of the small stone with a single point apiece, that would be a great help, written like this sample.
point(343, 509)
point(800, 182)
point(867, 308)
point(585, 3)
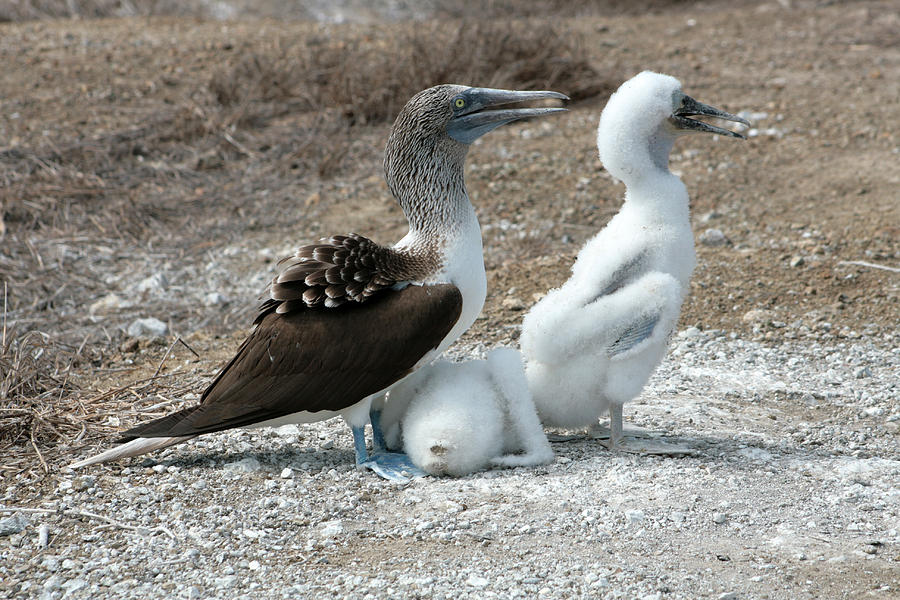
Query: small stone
point(73, 585)
point(634, 516)
point(85, 482)
point(713, 237)
point(477, 582)
point(14, 524)
point(758, 315)
point(328, 445)
point(512, 303)
point(107, 304)
point(130, 345)
point(332, 528)
point(53, 583)
point(148, 327)
point(425, 526)
point(727, 596)
point(797, 261)
point(44, 535)
point(155, 283)
point(287, 473)
point(862, 372)
point(214, 299)
point(677, 517)
point(719, 518)
point(245, 465)
point(253, 565)
point(808, 399)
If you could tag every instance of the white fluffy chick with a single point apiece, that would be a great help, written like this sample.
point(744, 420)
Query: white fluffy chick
point(591, 345)
point(458, 418)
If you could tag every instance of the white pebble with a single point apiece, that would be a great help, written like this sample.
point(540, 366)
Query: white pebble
point(148, 327)
point(713, 237)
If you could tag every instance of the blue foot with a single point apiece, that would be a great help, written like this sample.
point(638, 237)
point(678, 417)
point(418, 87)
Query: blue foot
point(393, 466)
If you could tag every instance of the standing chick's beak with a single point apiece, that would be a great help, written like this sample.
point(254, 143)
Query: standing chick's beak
point(690, 107)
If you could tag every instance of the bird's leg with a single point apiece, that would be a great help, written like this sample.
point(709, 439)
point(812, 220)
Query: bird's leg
point(615, 426)
point(394, 466)
point(378, 442)
point(359, 445)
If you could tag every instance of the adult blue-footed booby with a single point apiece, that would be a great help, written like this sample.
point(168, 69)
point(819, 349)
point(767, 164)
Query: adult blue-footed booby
point(591, 345)
point(346, 318)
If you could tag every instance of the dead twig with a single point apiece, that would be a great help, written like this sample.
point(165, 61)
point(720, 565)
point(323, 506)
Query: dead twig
point(88, 515)
point(862, 263)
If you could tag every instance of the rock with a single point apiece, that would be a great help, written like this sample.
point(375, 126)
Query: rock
point(14, 524)
point(719, 518)
point(214, 299)
point(148, 327)
point(54, 582)
point(245, 465)
point(73, 585)
point(107, 304)
point(332, 528)
point(634, 516)
point(713, 237)
point(862, 372)
point(287, 473)
point(727, 596)
point(758, 315)
point(156, 283)
point(79, 484)
point(690, 332)
point(797, 261)
point(476, 581)
point(512, 303)
point(44, 535)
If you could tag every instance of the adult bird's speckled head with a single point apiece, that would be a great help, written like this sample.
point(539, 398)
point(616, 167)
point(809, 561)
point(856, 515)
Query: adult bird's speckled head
point(427, 147)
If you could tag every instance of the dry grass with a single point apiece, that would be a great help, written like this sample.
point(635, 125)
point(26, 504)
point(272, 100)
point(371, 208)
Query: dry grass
point(368, 79)
point(22, 10)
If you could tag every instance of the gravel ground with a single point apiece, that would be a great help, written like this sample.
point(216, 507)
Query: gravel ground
point(791, 492)
point(786, 390)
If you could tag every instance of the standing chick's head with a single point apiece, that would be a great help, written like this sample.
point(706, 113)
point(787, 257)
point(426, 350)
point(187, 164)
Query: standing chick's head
point(642, 120)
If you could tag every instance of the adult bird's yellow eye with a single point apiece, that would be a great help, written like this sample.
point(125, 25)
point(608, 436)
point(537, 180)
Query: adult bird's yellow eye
point(459, 103)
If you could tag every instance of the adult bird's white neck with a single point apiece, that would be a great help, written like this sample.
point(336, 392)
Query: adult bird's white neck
point(427, 179)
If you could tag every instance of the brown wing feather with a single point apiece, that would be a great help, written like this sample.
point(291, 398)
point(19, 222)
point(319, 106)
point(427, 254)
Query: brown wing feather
point(340, 269)
point(318, 359)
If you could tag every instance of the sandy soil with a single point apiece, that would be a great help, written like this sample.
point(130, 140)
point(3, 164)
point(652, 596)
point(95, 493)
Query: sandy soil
point(792, 488)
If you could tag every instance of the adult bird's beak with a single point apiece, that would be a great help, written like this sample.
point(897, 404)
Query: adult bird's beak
point(690, 107)
point(471, 119)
